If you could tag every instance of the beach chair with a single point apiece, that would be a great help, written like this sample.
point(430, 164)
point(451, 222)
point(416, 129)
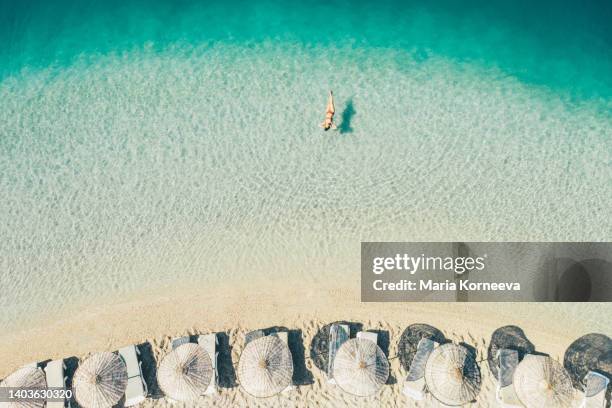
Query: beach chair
point(209, 343)
point(54, 374)
point(284, 336)
point(338, 334)
point(595, 393)
point(179, 341)
point(136, 390)
point(505, 394)
point(255, 334)
point(368, 336)
point(414, 386)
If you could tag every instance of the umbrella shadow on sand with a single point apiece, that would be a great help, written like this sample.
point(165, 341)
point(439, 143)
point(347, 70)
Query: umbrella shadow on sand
point(71, 365)
point(226, 371)
point(301, 375)
point(149, 370)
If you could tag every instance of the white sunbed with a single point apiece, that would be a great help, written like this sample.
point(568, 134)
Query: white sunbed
point(209, 343)
point(505, 393)
point(596, 387)
point(368, 336)
point(136, 390)
point(253, 335)
point(179, 341)
point(54, 374)
point(414, 385)
point(338, 334)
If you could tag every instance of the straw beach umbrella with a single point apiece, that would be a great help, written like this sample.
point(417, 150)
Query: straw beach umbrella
point(511, 338)
point(360, 367)
point(410, 339)
point(265, 367)
point(588, 353)
point(100, 381)
point(540, 381)
point(24, 378)
point(452, 375)
point(185, 372)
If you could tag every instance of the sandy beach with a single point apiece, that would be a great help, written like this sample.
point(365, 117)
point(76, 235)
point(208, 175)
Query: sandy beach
point(154, 318)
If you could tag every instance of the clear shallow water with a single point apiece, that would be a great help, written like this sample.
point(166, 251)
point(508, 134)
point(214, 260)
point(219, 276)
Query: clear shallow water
point(142, 145)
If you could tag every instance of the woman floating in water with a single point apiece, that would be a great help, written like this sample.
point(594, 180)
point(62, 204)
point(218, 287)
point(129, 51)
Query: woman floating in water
point(328, 123)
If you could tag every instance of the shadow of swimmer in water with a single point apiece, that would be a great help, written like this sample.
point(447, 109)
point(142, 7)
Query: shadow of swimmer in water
point(347, 115)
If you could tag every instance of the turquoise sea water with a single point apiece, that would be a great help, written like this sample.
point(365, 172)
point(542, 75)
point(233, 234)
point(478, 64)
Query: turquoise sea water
point(147, 142)
point(562, 45)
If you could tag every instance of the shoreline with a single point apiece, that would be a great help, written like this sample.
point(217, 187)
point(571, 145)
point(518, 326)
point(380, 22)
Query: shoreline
point(235, 309)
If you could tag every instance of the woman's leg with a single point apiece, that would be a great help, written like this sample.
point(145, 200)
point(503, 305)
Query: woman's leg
point(330, 103)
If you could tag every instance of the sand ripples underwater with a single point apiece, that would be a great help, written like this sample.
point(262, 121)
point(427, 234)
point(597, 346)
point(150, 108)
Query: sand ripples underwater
point(138, 168)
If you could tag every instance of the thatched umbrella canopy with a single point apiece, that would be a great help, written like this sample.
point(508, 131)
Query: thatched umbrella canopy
point(452, 375)
point(604, 363)
point(100, 381)
point(604, 366)
point(587, 354)
point(360, 367)
point(185, 372)
point(410, 338)
point(265, 367)
point(25, 377)
point(511, 338)
point(540, 381)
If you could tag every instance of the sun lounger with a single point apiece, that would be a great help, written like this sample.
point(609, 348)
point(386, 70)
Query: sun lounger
point(595, 394)
point(136, 390)
point(338, 334)
point(414, 386)
point(255, 334)
point(54, 374)
point(209, 343)
point(179, 341)
point(368, 336)
point(283, 335)
point(505, 394)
